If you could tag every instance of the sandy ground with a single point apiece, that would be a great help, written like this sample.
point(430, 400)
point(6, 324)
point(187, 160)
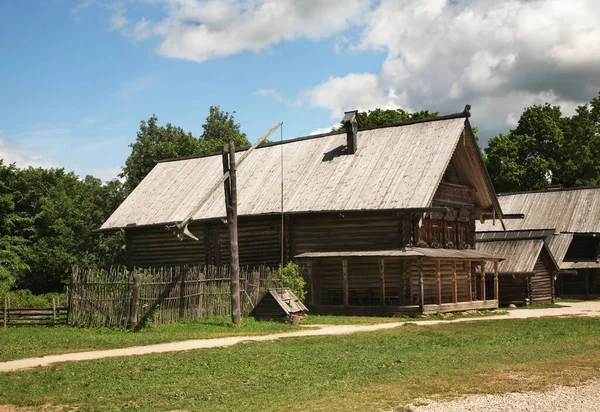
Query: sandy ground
point(573, 309)
point(558, 399)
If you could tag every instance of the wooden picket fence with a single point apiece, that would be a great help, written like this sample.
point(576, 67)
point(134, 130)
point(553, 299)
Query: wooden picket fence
point(134, 299)
point(54, 315)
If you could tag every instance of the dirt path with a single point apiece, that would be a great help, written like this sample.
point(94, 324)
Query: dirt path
point(573, 309)
point(557, 399)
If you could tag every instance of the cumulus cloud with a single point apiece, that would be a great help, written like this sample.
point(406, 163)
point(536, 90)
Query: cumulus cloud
point(274, 94)
point(498, 56)
point(201, 30)
point(106, 174)
point(23, 155)
point(118, 20)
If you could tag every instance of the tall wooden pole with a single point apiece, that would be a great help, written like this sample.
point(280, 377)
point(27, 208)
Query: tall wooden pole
point(230, 186)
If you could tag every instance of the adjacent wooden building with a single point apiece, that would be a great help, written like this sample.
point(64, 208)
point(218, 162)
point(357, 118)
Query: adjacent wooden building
point(382, 220)
point(570, 219)
point(527, 274)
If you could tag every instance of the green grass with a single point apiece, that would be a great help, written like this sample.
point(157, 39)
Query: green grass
point(374, 371)
point(23, 342)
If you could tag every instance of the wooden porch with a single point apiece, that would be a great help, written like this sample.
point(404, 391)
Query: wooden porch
point(400, 282)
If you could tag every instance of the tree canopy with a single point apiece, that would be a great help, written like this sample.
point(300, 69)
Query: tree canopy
point(547, 148)
point(385, 117)
point(154, 143)
point(48, 217)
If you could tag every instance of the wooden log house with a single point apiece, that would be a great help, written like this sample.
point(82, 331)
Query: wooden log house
point(527, 274)
point(571, 218)
point(382, 220)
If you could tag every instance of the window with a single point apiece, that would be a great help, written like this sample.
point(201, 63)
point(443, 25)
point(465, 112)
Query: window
point(583, 247)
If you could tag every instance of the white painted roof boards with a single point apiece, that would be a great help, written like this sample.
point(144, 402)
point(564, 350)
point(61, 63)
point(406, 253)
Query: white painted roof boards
point(394, 167)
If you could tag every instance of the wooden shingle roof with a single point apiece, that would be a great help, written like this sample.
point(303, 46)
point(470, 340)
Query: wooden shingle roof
point(395, 167)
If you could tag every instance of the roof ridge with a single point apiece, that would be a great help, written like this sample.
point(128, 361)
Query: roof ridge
point(562, 189)
point(464, 114)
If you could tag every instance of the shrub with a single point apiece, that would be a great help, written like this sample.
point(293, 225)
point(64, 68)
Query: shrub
point(23, 298)
point(291, 279)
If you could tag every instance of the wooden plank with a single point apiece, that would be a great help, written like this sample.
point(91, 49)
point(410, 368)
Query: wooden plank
point(135, 302)
point(496, 280)
point(311, 283)
point(438, 281)
point(469, 281)
point(460, 307)
point(454, 283)
point(345, 282)
point(382, 280)
point(482, 284)
point(421, 287)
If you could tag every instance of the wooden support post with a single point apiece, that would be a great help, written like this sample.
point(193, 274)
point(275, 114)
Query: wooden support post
point(230, 186)
point(421, 286)
point(469, 281)
point(454, 283)
point(311, 283)
point(135, 302)
point(382, 280)
point(5, 312)
point(53, 310)
point(483, 297)
point(345, 282)
point(496, 286)
point(438, 281)
point(402, 283)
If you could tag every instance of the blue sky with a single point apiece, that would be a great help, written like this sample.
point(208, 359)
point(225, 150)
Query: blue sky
point(76, 77)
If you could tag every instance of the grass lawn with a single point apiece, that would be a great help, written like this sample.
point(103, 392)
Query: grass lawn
point(24, 342)
point(373, 371)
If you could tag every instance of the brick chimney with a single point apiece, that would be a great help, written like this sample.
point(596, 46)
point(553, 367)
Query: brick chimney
point(350, 122)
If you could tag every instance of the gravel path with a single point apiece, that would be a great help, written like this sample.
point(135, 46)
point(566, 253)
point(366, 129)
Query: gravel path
point(559, 399)
point(573, 309)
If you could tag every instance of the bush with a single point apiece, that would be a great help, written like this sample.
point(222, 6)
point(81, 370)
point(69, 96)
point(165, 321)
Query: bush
point(23, 298)
point(291, 279)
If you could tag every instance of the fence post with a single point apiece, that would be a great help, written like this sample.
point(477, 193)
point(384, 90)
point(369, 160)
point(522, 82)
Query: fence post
point(70, 290)
point(201, 293)
point(54, 311)
point(5, 312)
point(135, 302)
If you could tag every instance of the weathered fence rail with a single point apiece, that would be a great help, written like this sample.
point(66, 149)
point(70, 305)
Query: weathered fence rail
point(33, 316)
point(133, 299)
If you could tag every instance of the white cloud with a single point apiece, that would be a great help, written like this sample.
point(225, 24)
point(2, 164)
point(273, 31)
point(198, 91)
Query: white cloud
point(129, 89)
point(274, 94)
point(23, 155)
point(106, 174)
point(322, 130)
point(118, 21)
point(201, 30)
point(498, 56)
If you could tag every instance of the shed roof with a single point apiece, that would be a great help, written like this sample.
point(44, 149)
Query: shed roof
point(451, 254)
point(395, 167)
point(520, 255)
point(575, 210)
